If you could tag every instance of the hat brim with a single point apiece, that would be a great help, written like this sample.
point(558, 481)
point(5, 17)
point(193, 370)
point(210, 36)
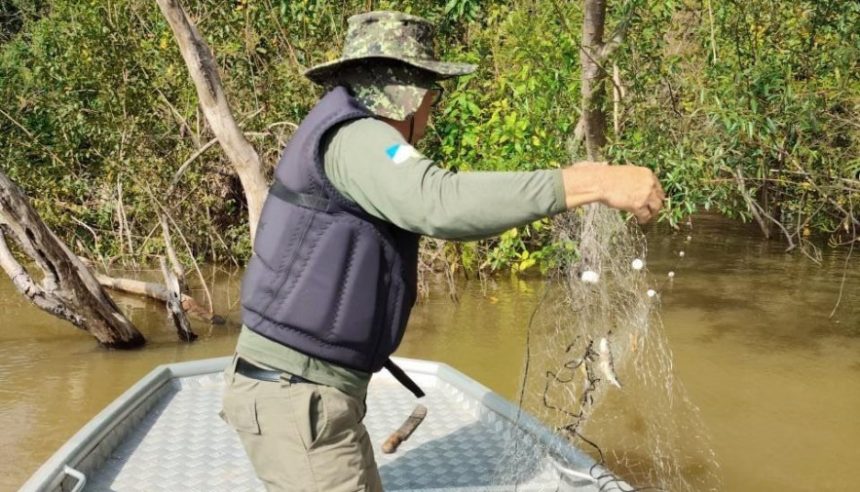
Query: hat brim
point(442, 70)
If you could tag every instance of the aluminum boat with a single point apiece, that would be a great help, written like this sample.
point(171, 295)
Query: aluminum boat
point(164, 434)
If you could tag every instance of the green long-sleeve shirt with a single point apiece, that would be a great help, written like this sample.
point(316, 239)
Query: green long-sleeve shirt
point(370, 163)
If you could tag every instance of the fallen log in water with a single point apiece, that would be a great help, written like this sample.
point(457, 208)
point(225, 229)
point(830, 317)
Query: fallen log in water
point(159, 292)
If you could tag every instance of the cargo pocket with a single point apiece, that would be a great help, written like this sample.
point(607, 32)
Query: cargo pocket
point(309, 414)
point(241, 414)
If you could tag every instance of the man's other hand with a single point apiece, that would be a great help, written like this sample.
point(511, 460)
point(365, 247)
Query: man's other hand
point(631, 188)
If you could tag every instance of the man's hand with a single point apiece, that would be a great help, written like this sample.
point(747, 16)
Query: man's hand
point(631, 188)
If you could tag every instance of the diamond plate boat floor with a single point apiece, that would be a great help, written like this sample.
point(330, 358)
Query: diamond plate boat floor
point(471, 440)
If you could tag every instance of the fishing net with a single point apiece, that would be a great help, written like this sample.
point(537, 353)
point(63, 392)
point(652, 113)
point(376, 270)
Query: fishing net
point(599, 370)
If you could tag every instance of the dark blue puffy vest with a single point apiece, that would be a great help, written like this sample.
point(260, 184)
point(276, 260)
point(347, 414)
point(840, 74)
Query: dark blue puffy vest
point(326, 278)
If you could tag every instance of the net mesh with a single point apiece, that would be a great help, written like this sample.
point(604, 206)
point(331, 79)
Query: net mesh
point(599, 369)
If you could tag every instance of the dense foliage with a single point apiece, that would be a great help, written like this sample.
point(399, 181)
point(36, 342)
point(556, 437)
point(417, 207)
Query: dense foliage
point(740, 107)
point(758, 99)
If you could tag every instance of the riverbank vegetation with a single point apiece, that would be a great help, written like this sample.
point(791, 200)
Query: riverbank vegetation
point(751, 109)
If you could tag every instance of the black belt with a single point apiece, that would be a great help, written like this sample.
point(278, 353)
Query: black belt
point(249, 370)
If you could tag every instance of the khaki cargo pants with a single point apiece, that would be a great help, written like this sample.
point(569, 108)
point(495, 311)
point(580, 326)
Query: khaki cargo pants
point(301, 437)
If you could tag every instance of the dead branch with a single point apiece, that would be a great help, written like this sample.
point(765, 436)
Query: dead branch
point(758, 212)
point(123, 220)
point(16, 123)
point(845, 269)
point(220, 239)
point(713, 32)
point(739, 178)
point(187, 246)
point(204, 72)
point(174, 304)
point(183, 123)
point(177, 268)
point(95, 235)
point(617, 96)
point(184, 166)
point(30, 289)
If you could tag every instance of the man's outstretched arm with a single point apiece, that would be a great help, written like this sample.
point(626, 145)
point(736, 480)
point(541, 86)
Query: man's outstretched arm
point(372, 164)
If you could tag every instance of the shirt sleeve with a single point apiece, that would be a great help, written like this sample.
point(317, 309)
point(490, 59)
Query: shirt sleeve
point(370, 163)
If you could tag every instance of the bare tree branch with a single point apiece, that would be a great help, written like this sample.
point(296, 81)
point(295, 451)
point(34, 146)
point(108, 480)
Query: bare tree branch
point(845, 268)
point(204, 72)
point(184, 166)
point(16, 123)
point(758, 212)
point(175, 265)
point(164, 214)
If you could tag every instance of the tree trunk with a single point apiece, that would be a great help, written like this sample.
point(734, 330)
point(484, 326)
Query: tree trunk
point(204, 72)
point(67, 289)
point(593, 78)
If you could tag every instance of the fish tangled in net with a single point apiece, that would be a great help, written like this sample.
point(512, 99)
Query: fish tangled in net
point(599, 369)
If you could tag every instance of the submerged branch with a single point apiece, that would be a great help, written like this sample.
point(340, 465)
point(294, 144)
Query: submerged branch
point(174, 304)
point(844, 271)
point(758, 212)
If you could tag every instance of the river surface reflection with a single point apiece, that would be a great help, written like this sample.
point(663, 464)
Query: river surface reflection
point(777, 382)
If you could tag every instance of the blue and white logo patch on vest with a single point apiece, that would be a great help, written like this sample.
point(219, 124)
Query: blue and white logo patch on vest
point(400, 153)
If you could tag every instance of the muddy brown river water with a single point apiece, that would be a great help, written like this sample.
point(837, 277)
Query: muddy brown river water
point(777, 382)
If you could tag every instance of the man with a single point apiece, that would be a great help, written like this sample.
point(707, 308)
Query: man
point(331, 283)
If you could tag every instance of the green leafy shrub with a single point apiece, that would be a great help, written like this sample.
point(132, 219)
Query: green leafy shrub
point(99, 106)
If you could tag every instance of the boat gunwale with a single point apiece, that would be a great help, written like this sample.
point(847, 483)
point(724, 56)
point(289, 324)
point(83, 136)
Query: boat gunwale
point(51, 474)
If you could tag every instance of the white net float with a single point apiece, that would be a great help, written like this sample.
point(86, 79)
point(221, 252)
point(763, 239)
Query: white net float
point(590, 277)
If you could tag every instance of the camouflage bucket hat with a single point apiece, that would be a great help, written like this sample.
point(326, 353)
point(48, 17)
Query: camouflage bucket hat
point(388, 63)
point(392, 36)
